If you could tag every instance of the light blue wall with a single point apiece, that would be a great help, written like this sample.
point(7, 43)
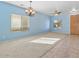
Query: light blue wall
point(38, 23)
point(65, 24)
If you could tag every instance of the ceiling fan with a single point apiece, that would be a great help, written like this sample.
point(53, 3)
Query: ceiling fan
point(56, 13)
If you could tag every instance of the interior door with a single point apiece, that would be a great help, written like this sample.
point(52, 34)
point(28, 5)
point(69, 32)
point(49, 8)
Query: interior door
point(74, 24)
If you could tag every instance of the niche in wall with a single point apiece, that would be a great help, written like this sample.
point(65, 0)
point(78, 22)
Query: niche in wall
point(19, 23)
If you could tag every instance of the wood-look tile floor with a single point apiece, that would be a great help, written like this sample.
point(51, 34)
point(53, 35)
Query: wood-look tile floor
point(67, 47)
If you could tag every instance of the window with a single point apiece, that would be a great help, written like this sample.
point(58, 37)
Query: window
point(19, 23)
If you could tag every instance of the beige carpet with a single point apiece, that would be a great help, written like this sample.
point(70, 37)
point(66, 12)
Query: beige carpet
point(24, 48)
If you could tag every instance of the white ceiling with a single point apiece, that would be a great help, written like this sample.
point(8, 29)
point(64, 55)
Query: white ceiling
point(48, 6)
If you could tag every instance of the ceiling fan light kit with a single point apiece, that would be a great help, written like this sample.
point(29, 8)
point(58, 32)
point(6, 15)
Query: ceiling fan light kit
point(74, 11)
point(30, 11)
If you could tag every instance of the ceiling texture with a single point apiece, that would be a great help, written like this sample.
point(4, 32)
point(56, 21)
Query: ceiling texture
point(48, 7)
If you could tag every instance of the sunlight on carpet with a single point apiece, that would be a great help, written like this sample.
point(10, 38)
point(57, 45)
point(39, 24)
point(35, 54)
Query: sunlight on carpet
point(45, 40)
